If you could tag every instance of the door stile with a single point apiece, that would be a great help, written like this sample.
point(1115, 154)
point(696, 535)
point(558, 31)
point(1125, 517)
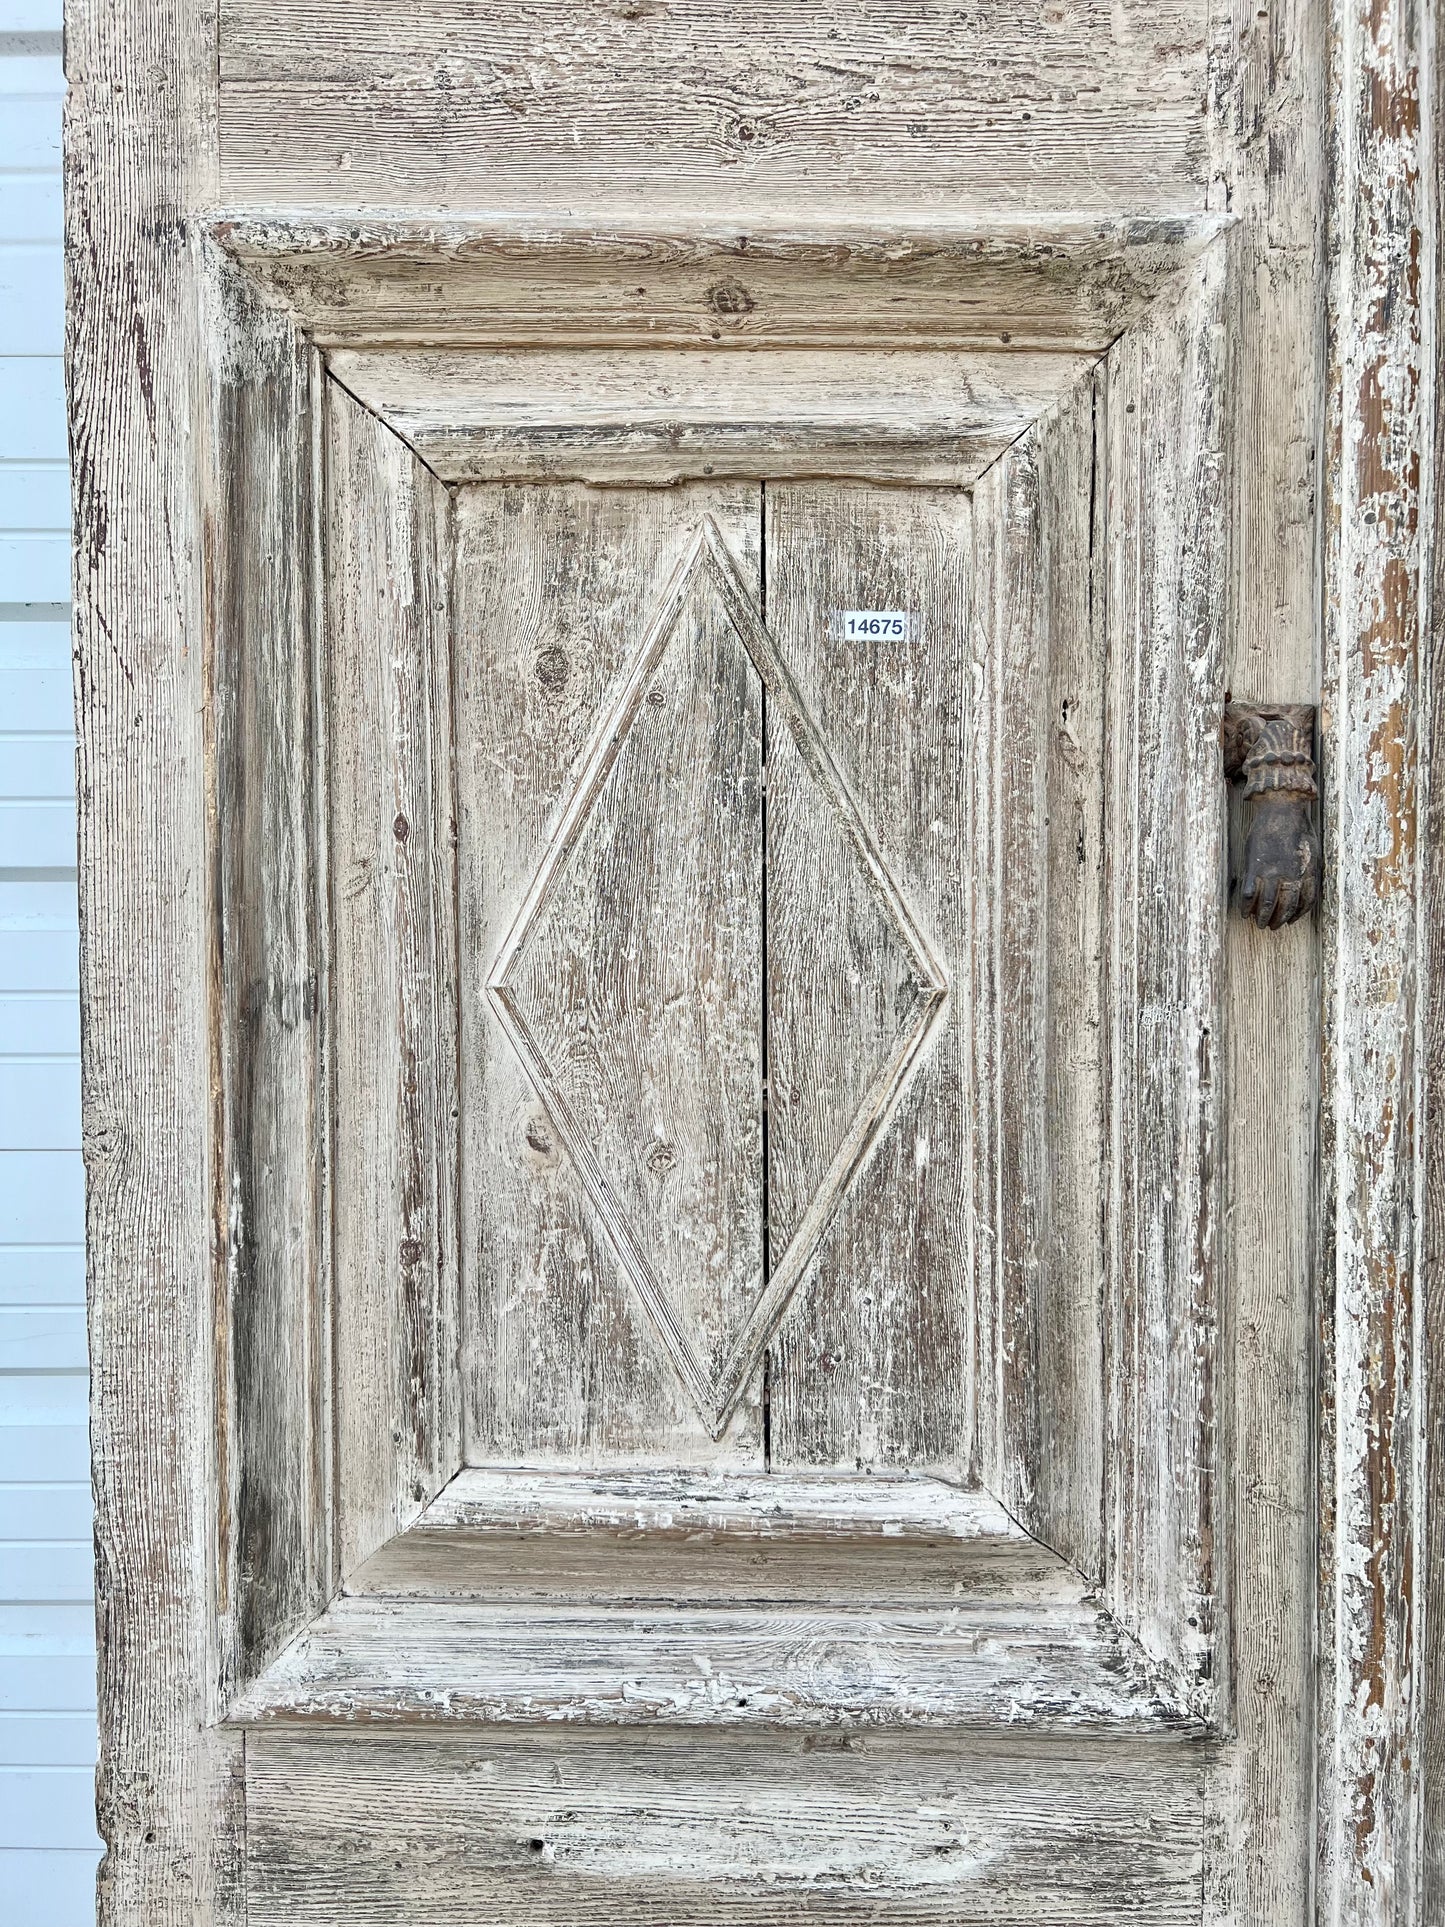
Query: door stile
point(141, 166)
point(1380, 1756)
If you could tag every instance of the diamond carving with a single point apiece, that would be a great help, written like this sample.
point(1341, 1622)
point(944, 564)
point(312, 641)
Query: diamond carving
point(637, 981)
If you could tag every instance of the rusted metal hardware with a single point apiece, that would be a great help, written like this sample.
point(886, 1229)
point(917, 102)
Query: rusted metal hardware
point(1269, 748)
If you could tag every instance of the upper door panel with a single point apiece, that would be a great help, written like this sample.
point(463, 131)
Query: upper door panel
point(722, 111)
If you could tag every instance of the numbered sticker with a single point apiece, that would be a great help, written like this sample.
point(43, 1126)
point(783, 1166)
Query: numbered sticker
point(873, 625)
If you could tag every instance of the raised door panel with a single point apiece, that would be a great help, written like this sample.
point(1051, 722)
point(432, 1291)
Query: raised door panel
point(867, 980)
point(609, 777)
point(703, 865)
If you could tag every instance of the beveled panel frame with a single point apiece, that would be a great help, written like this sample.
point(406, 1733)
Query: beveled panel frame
point(1102, 538)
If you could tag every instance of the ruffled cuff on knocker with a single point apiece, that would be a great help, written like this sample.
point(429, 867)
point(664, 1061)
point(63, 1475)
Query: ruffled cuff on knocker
point(1280, 761)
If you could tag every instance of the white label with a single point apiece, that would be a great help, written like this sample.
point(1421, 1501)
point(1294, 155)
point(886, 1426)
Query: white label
point(873, 625)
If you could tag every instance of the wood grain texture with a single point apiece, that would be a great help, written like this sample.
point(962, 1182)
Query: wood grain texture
point(508, 1533)
point(1268, 108)
point(1164, 496)
point(272, 1131)
point(1050, 1664)
point(555, 591)
point(660, 416)
point(393, 886)
point(1377, 1480)
point(712, 110)
point(140, 154)
point(1036, 1087)
point(631, 983)
point(1431, 1730)
point(845, 1830)
point(1205, 545)
point(873, 1364)
point(1057, 283)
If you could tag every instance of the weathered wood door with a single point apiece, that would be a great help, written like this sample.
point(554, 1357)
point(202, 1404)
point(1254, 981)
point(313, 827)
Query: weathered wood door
point(712, 1267)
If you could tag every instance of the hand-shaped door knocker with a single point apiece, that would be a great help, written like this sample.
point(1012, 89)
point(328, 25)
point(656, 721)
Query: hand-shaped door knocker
point(1269, 747)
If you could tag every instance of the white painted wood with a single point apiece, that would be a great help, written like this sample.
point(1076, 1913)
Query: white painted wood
point(1052, 1665)
point(849, 1382)
point(1260, 1808)
point(630, 986)
point(697, 1507)
point(661, 416)
point(1379, 1752)
point(1037, 836)
point(584, 1827)
point(271, 973)
point(1165, 597)
point(962, 278)
point(698, 158)
point(141, 160)
point(392, 882)
point(556, 593)
point(512, 1533)
point(890, 108)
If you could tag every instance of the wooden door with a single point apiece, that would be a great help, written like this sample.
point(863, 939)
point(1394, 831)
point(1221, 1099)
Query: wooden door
point(714, 1264)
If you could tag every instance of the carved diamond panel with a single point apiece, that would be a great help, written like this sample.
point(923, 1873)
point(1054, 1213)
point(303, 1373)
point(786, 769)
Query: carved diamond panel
point(635, 982)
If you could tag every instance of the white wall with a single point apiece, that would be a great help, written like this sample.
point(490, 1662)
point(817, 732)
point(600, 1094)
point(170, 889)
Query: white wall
point(48, 1848)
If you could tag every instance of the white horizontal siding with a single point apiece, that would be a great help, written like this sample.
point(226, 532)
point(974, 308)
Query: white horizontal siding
point(52, 1739)
point(47, 1655)
point(32, 407)
point(42, 1274)
point(32, 297)
point(31, 16)
point(39, 1103)
point(31, 1513)
point(61, 1453)
point(46, 1887)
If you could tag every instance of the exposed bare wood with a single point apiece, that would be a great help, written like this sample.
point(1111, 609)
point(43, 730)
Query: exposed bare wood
point(555, 592)
point(1036, 1034)
point(272, 1146)
point(1054, 284)
point(1015, 1213)
point(698, 1507)
point(140, 158)
point(1431, 1731)
point(507, 1533)
point(664, 415)
point(712, 112)
point(546, 1830)
point(1047, 1664)
point(1164, 526)
point(872, 1366)
point(1373, 1463)
point(630, 984)
point(393, 887)
point(1268, 118)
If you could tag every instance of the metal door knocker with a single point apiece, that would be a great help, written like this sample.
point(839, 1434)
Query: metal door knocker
point(1269, 747)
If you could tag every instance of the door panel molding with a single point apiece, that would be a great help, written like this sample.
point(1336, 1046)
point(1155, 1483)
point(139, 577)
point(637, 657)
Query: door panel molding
point(1053, 282)
point(1137, 920)
point(935, 417)
point(533, 1598)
